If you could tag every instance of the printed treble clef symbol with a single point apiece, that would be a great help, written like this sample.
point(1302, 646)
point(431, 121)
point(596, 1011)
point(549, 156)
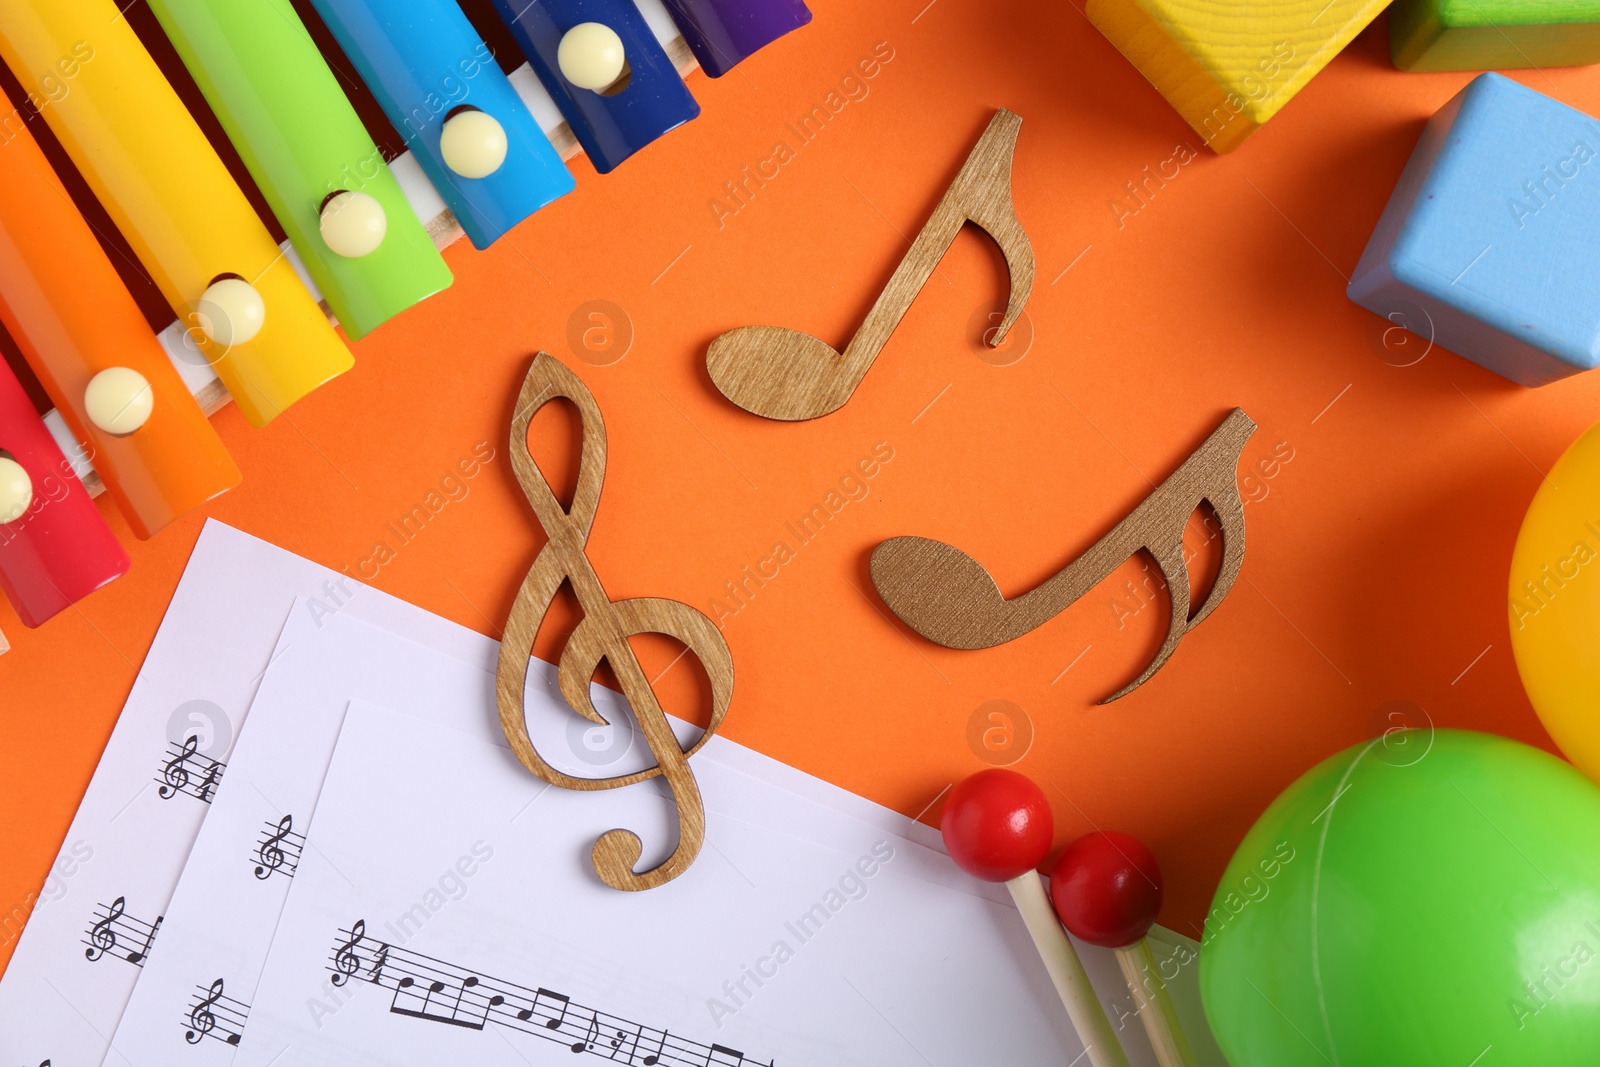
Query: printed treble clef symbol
point(176, 774)
point(602, 635)
point(271, 851)
point(201, 1021)
point(102, 936)
point(346, 961)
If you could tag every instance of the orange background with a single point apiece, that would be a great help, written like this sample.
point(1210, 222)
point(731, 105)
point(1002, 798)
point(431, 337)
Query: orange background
point(1377, 560)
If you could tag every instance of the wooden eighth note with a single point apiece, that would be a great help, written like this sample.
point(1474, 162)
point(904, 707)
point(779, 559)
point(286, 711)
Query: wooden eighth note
point(779, 373)
point(946, 595)
point(601, 635)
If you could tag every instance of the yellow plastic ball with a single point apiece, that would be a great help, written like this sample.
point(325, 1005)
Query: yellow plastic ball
point(1555, 603)
point(16, 490)
point(353, 224)
point(119, 400)
point(473, 144)
point(590, 56)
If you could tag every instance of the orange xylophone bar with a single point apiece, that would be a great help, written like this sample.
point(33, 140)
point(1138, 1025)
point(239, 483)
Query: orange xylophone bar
point(89, 345)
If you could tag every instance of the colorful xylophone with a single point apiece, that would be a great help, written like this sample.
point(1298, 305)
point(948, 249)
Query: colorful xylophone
point(255, 321)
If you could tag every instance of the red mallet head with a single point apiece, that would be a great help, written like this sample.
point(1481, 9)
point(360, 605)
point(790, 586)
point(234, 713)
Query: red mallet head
point(997, 825)
point(1107, 889)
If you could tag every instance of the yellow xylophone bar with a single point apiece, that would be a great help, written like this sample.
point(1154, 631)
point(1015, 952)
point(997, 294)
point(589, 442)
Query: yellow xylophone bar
point(188, 222)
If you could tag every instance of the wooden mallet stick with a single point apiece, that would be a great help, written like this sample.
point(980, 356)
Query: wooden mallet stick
point(1107, 889)
point(997, 826)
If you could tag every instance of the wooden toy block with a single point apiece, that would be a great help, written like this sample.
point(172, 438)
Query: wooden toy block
point(1228, 66)
point(1430, 35)
point(1486, 246)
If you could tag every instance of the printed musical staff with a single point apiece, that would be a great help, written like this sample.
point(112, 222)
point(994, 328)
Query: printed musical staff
point(112, 931)
point(186, 770)
point(278, 851)
point(435, 991)
point(215, 1015)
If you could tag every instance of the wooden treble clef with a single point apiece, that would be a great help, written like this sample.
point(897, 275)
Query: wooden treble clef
point(601, 635)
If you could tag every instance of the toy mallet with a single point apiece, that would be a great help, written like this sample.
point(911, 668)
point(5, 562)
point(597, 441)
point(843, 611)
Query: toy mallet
point(997, 826)
point(1107, 889)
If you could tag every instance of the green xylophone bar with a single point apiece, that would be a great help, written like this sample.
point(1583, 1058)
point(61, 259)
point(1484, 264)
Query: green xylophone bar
point(325, 180)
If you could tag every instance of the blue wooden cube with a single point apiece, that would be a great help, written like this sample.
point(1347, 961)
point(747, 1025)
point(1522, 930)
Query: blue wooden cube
point(1488, 246)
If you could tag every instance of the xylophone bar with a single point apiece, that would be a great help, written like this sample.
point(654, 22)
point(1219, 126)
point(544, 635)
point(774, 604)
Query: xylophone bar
point(147, 161)
point(724, 33)
point(606, 72)
point(441, 88)
point(55, 549)
point(426, 203)
point(151, 166)
point(79, 329)
point(310, 155)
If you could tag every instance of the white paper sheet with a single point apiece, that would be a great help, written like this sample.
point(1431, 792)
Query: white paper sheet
point(221, 918)
point(229, 605)
point(226, 907)
point(770, 948)
point(62, 993)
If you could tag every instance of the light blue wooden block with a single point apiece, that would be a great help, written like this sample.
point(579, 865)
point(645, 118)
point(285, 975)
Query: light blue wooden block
point(1490, 245)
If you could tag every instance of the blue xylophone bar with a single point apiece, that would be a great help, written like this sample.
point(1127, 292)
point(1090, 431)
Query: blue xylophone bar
point(441, 88)
point(568, 44)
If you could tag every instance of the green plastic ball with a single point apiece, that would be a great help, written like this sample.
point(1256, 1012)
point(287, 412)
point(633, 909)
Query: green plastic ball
point(1431, 897)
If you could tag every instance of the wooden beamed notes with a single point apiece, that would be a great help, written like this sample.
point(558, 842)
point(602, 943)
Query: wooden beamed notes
point(601, 635)
point(936, 589)
point(780, 373)
point(946, 595)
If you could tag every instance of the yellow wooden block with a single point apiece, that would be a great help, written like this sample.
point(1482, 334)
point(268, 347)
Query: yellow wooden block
point(1229, 65)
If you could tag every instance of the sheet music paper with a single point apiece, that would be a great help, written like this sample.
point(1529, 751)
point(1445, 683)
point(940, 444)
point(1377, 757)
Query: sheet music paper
point(773, 949)
point(220, 921)
point(61, 999)
point(70, 977)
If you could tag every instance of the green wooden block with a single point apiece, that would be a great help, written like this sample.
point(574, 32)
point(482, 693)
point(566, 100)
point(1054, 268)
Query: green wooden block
point(1432, 35)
